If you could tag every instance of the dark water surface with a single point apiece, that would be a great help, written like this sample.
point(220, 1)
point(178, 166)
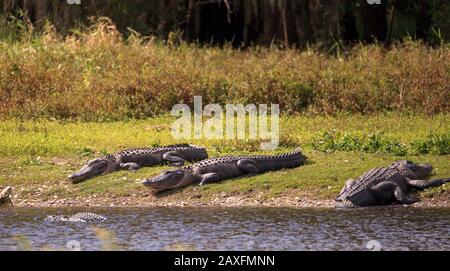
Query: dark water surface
point(390, 228)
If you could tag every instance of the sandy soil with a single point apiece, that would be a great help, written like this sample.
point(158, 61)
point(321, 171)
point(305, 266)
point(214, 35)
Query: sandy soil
point(148, 199)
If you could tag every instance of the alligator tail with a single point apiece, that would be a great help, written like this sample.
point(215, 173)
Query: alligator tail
point(291, 159)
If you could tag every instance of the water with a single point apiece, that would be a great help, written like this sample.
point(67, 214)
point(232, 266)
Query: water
point(390, 228)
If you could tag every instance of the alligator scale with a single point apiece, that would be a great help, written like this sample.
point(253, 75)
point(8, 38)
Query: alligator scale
point(220, 168)
point(135, 158)
point(387, 185)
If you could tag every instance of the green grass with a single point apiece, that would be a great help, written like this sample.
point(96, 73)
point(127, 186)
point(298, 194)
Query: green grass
point(61, 138)
point(40, 154)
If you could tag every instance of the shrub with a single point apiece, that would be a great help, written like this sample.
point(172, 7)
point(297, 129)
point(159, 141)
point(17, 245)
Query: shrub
point(95, 74)
point(332, 141)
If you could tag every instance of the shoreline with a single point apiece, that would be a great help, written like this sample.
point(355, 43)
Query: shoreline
point(233, 201)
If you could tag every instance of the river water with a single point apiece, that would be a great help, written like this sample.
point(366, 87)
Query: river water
point(164, 228)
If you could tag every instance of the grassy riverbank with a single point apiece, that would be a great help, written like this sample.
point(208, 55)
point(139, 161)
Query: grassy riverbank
point(64, 100)
point(36, 157)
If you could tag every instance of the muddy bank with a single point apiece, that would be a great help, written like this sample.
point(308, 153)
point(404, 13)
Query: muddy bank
point(63, 194)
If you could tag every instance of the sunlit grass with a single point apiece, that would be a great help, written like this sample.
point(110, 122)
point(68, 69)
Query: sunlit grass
point(66, 100)
point(83, 139)
point(39, 155)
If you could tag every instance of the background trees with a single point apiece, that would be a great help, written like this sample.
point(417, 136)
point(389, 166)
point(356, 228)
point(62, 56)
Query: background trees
point(247, 22)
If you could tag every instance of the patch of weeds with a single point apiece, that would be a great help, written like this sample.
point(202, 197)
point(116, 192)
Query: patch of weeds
point(156, 144)
point(30, 161)
point(326, 143)
point(349, 143)
point(432, 144)
point(332, 141)
point(86, 152)
point(373, 143)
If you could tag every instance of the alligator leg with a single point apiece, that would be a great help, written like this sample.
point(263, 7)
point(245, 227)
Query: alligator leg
point(384, 191)
point(347, 184)
point(130, 166)
point(247, 166)
point(209, 178)
point(174, 158)
point(423, 184)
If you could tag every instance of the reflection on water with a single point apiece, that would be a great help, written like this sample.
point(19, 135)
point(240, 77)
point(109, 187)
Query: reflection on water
point(390, 228)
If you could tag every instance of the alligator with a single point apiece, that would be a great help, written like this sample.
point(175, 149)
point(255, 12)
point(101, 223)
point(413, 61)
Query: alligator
point(5, 197)
point(135, 158)
point(78, 217)
point(220, 168)
point(387, 185)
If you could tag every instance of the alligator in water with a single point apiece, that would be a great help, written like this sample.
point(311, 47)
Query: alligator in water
point(5, 197)
point(133, 159)
point(381, 186)
point(78, 217)
point(221, 168)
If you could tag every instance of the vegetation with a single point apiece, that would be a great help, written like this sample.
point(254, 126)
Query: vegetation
point(68, 96)
point(96, 75)
point(376, 143)
point(328, 24)
point(36, 156)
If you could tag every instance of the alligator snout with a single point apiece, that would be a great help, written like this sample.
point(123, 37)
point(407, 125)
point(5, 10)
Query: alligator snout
point(166, 180)
point(424, 170)
point(146, 182)
point(157, 186)
point(76, 178)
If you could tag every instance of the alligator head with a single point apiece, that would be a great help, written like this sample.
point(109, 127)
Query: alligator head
point(93, 168)
point(169, 179)
point(410, 169)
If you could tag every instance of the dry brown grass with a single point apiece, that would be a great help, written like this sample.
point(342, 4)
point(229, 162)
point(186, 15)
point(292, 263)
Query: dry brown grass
point(96, 75)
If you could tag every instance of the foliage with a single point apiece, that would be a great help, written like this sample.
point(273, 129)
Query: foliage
point(332, 141)
point(95, 74)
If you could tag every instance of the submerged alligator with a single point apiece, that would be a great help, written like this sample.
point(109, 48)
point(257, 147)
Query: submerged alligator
point(221, 168)
point(78, 217)
point(387, 185)
point(5, 197)
point(135, 158)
